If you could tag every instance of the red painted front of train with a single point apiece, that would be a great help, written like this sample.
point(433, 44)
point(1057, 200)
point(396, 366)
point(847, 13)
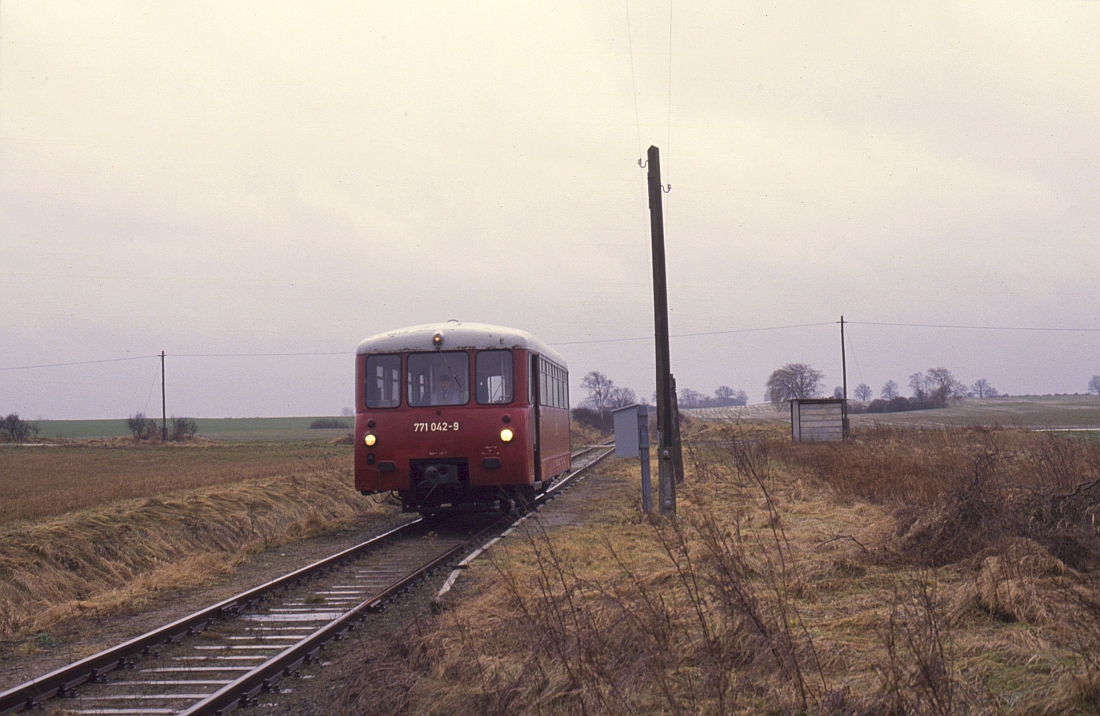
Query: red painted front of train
point(459, 416)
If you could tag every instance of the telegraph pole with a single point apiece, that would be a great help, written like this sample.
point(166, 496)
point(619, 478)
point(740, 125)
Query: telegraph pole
point(666, 429)
point(163, 403)
point(844, 374)
point(677, 446)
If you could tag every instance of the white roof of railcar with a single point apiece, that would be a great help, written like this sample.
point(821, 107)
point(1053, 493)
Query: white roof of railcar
point(457, 336)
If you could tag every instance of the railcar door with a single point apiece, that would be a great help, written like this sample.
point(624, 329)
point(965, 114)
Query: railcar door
point(536, 404)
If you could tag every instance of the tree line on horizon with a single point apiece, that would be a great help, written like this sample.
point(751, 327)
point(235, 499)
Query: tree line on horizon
point(931, 389)
point(934, 389)
point(604, 396)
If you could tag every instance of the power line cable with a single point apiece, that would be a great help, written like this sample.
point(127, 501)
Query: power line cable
point(151, 386)
point(633, 80)
point(668, 121)
point(588, 342)
point(978, 328)
point(182, 355)
point(852, 351)
point(259, 355)
point(82, 362)
point(695, 335)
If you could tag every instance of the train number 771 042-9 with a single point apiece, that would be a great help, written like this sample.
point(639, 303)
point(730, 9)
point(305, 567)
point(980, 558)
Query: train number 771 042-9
point(435, 427)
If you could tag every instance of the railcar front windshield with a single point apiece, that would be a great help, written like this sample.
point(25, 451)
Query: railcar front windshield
point(441, 378)
point(494, 377)
point(383, 381)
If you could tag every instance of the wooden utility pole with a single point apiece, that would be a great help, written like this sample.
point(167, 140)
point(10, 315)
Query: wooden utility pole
point(163, 403)
point(677, 447)
point(844, 375)
point(666, 429)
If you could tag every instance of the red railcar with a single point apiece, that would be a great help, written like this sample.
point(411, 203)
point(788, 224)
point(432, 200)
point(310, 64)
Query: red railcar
point(459, 416)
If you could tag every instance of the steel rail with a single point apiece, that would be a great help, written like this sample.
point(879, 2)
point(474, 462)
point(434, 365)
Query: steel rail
point(246, 688)
point(249, 686)
point(62, 681)
point(551, 492)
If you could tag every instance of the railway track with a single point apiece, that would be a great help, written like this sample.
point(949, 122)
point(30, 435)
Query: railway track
point(224, 656)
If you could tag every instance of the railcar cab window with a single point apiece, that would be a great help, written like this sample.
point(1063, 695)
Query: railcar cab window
point(494, 377)
point(438, 378)
point(383, 381)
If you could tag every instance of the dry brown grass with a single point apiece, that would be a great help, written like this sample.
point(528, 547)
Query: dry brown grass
point(799, 579)
point(44, 481)
point(103, 558)
point(581, 435)
point(964, 494)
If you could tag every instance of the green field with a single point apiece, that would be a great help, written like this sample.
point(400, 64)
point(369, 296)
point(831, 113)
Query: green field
point(1029, 411)
point(1037, 412)
point(232, 429)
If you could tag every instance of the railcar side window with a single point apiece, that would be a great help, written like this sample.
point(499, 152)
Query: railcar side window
point(553, 385)
point(494, 377)
point(383, 381)
point(544, 384)
point(439, 378)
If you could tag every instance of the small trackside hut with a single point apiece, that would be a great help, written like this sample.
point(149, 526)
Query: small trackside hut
point(817, 419)
point(460, 416)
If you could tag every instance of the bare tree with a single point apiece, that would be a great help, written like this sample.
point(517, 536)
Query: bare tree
point(728, 396)
point(918, 383)
point(937, 387)
point(794, 380)
point(863, 392)
point(724, 392)
point(838, 393)
point(1094, 385)
point(982, 389)
point(889, 390)
point(942, 382)
point(620, 397)
point(690, 398)
point(599, 388)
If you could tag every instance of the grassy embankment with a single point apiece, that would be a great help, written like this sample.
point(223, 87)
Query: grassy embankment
point(96, 527)
point(908, 571)
point(99, 525)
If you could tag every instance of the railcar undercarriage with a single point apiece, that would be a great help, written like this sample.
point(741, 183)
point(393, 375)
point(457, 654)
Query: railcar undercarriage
point(443, 485)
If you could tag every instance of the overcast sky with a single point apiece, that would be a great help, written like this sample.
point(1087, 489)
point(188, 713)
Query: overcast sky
point(221, 178)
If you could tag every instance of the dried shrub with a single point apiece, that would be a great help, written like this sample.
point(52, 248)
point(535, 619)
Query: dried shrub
point(780, 590)
point(182, 429)
point(961, 494)
point(916, 676)
point(706, 622)
point(15, 429)
point(142, 427)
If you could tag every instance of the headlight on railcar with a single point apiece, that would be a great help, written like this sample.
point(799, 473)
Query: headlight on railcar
point(506, 435)
point(370, 439)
